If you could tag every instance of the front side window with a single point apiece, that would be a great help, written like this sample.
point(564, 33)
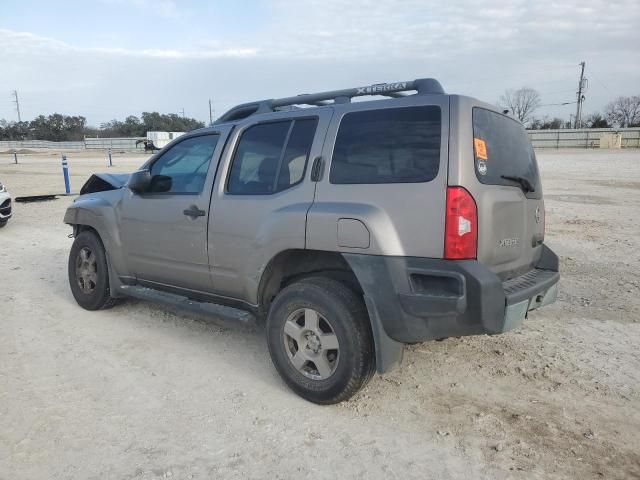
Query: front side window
point(271, 157)
point(390, 145)
point(183, 168)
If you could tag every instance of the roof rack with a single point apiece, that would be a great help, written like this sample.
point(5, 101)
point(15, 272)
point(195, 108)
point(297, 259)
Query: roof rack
point(422, 86)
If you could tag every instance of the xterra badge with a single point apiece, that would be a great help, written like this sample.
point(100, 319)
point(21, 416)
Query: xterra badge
point(508, 242)
point(382, 87)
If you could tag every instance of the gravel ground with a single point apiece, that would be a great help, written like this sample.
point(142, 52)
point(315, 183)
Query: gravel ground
point(136, 392)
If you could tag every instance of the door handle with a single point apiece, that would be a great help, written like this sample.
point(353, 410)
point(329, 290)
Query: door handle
point(194, 212)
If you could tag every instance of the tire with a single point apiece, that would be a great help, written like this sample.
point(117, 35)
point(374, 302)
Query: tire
point(296, 344)
point(88, 272)
point(3, 223)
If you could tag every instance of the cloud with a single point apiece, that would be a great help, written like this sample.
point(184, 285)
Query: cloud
point(162, 8)
point(397, 29)
point(179, 54)
point(24, 43)
point(421, 28)
point(476, 48)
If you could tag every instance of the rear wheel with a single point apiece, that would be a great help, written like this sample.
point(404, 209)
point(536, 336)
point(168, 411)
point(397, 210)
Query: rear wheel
point(3, 223)
point(320, 340)
point(88, 272)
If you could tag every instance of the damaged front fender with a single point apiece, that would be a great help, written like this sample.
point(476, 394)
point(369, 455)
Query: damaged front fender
point(99, 210)
point(103, 182)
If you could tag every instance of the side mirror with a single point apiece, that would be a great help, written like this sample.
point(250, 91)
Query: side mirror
point(139, 181)
point(160, 184)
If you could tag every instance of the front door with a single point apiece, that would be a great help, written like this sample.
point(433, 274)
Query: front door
point(164, 230)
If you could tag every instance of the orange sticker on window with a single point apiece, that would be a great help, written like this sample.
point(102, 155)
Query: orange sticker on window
point(481, 149)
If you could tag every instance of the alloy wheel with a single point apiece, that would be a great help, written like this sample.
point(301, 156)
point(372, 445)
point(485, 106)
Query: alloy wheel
point(311, 344)
point(86, 270)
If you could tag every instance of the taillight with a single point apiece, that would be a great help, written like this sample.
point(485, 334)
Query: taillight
point(461, 225)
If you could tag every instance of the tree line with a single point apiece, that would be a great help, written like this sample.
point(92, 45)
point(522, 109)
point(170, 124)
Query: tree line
point(522, 103)
point(58, 127)
point(621, 112)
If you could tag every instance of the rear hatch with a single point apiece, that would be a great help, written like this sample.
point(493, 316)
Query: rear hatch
point(509, 194)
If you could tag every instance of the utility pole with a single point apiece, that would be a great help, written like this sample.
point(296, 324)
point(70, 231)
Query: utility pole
point(581, 87)
point(17, 102)
point(182, 112)
point(210, 113)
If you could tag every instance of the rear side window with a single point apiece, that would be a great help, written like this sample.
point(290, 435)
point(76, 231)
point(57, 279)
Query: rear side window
point(502, 149)
point(390, 145)
point(296, 154)
point(271, 157)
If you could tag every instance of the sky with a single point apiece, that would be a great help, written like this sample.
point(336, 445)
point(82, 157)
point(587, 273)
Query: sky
point(107, 59)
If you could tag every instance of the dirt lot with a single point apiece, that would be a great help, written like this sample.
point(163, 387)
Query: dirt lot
point(135, 392)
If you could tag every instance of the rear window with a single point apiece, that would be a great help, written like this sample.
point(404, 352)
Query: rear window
point(502, 148)
point(390, 145)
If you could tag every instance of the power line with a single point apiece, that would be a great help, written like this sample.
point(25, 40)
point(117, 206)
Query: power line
point(555, 104)
point(557, 92)
point(601, 83)
point(524, 76)
point(17, 102)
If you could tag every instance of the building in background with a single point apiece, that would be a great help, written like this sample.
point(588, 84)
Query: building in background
point(160, 139)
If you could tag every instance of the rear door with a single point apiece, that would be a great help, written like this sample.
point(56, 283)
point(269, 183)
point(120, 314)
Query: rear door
point(262, 195)
point(498, 166)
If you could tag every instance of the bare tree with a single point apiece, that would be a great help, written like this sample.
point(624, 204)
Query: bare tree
point(624, 111)
point(521, 103)
point(596, 120)
point(545, 123)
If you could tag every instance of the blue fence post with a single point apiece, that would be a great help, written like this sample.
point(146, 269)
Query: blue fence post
point(65, 173)
point(110, 161)
point(15, 157)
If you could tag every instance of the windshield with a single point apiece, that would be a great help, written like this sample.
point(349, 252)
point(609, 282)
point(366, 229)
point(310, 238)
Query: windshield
point(503, 153)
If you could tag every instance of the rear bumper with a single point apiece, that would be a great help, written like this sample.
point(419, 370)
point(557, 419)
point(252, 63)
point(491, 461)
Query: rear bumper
point(418, 299)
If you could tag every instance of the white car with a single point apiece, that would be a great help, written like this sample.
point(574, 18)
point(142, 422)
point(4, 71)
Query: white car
point(5, 205)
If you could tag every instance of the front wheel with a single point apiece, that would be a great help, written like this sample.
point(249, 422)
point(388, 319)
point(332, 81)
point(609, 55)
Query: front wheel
point(320, 340)
point(88, 272)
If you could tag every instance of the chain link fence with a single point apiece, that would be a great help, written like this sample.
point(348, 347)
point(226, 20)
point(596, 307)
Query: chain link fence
point(87, 143)
point(565, 138)
point(582, 138)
